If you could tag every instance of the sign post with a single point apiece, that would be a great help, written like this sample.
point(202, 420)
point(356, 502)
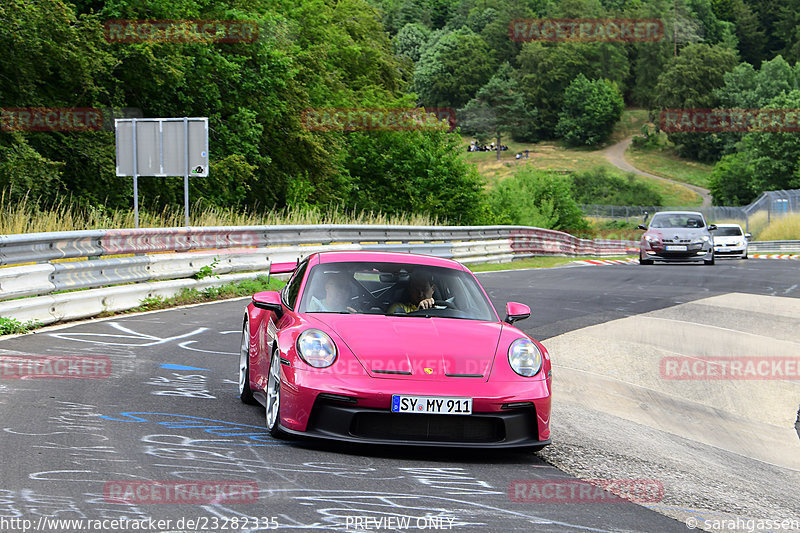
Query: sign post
point(162, 147)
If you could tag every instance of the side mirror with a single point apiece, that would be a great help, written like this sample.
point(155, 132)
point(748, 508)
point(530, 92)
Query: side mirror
point(515, 311)
point(712, 227)
point(641, 226)
point(748, 236)
point(270, 301)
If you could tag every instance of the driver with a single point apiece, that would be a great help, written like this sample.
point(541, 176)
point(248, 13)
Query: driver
point(420, 294)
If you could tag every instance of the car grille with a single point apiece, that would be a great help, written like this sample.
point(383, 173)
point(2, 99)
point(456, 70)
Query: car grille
point(443, 428)
point(677, 241)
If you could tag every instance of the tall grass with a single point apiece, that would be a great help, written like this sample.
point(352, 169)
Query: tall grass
point(25, 216)
point(783, 228)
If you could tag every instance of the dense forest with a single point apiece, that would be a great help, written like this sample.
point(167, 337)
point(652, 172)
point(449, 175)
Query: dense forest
point(314, 54)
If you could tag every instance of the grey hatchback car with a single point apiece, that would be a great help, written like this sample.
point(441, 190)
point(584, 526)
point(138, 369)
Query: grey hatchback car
point(677, 236)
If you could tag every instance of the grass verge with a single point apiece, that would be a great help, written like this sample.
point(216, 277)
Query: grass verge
point(784, 228)
point(536, 262)
point(10, 326)
point(665, 163)
point(25, 216)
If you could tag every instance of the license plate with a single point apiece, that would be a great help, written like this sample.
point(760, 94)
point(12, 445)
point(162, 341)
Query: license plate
point(437, 405)
point(676, 248)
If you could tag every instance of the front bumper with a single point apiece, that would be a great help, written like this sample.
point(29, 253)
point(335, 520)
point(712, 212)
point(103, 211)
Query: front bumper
point(510, 429)
point(358, 409)
point(694, 252)
point(723, 251)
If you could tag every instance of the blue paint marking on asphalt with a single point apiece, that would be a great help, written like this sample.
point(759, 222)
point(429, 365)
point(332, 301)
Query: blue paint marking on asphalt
point(169, 366)
point(219, 428)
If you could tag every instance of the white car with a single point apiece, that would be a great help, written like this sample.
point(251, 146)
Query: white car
point(730, 241)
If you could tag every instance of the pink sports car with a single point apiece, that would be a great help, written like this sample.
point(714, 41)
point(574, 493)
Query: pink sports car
point(393, 348)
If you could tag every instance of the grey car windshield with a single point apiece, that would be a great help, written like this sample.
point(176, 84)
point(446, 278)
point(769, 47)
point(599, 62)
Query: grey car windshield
point(677, 220)
point(385, 288)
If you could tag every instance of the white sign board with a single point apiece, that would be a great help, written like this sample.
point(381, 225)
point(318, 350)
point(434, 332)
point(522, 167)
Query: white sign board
point(161, 146)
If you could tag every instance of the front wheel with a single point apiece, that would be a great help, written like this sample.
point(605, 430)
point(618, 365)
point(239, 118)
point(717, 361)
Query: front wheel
point(643, 261)
point(273, 407)
point(709, 261)
point(245, 393)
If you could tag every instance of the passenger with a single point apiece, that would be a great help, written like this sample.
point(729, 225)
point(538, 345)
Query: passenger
point(337, 296)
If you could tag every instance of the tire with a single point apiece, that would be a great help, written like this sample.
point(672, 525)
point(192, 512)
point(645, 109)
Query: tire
point(709, 261)
point(644, 261)
point(744, 256)
point(273, 403)
point(245, 394)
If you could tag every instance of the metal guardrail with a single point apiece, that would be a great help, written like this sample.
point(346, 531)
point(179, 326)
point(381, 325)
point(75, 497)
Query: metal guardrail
point(774, 247)
point(31, 289)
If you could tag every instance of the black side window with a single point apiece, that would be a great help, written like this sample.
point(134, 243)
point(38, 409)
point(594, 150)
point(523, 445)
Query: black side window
point(293, 287)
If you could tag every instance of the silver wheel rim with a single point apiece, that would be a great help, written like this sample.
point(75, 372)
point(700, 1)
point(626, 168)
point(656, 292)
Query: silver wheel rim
point(273, 391)
point(244, 355)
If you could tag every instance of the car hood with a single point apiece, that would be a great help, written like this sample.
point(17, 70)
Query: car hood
point(679, 234)
point(728, 239)
point(435, 349)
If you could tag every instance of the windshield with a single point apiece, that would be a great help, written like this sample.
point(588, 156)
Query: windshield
point(394, 289)
point(727, 232)
point(677, 220)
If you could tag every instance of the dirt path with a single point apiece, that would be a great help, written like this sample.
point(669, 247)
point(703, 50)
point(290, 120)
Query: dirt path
point(616, 156)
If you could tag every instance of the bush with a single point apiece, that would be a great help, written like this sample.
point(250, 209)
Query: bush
point(10, 326)
point(536, 198)
point(597, 186)
point(732, 181)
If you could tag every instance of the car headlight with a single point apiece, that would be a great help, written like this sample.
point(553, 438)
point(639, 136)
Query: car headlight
point(701, 240)
point(525, 358)
point(316, 348)
point(651, 238)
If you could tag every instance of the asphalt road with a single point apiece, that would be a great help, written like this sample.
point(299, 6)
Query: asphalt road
point(169, 412)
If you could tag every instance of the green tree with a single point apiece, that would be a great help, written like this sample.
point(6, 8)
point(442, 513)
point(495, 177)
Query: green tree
point(411, 40)
point(413, 172)
point(775, 156)
point(732, 180)
point(498, 107)
point(452, 70)
point(546, 70)
point(689, 83)
point(536, 198)
point(752, 38)
point(589, 111)
point(692, 76)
